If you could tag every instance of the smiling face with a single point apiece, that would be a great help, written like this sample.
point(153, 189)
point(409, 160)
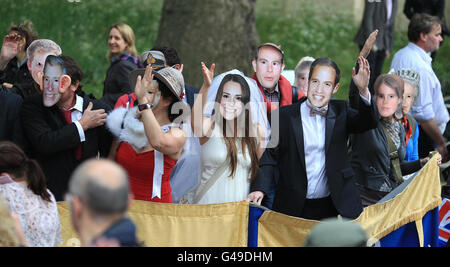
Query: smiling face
point(408, 98)
point(117, 45)
point(231, 102)
point(37, 65)
point(321, 85)
point(302, 81)
point(268, 67)
point(51, 94)
point(387, 101)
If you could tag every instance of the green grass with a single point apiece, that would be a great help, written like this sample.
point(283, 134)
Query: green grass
point(303, 28)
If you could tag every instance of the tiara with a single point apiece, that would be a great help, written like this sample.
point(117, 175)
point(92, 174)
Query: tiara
point(407, 74)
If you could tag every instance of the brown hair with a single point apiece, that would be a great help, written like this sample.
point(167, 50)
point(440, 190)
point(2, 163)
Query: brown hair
point(14, 162)
point(127, 34)
point(25, 30)
point(324, 61)
point(247, 141)
point(394, 82)
point(421, 23)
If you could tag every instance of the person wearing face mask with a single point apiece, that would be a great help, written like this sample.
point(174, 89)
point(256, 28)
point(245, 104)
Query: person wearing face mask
point(63, 125)
point(410, 93)
point(378, 155)
point(225, 119)
point(301, 78)
point(123, 56)
point(268, 65)
point(316, 180)
point(37, 53)
point(149, 140)
point(425, 36)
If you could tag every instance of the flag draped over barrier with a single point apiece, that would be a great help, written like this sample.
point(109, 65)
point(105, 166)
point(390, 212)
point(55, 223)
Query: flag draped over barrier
point(408, 219)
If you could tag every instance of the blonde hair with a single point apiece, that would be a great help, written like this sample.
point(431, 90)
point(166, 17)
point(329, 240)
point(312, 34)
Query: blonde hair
point(127, 34)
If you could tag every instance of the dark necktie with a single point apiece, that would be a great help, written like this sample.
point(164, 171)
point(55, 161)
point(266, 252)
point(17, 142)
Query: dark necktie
point(68, 117)
point(317, 111)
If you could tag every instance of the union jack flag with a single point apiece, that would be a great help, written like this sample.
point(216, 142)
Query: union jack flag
point(444, 222)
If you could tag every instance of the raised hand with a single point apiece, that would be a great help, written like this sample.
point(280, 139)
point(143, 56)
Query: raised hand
point(208, 74)
point(143, 83)
point(369, 44)
point(10, 49)
point(361, 79)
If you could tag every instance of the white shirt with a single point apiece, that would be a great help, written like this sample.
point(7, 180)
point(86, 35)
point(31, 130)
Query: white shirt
point(76, 116)
point(430, 102)
point(389, 12)
point(314, 146)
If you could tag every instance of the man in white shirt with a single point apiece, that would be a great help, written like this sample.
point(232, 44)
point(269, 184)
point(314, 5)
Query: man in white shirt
point(424, 34)
point(315, 177)
point(63, 127)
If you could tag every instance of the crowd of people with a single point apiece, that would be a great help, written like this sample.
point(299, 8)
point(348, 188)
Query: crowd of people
point(291, 148)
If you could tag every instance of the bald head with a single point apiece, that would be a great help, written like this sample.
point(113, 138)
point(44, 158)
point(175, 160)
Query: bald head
point(102, 185)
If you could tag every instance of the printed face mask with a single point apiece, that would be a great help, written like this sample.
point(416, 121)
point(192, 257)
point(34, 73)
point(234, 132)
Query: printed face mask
point(51, 94)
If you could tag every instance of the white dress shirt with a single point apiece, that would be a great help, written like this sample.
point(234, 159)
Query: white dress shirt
point(429, 103)
point(76, 116)
point(314, 145)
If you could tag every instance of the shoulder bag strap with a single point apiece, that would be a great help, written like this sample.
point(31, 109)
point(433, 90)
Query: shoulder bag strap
point(212, 180)
point(395, 159)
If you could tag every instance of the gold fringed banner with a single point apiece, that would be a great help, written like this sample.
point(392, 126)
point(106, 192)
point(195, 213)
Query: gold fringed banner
point(419, 197)
point(176, 225)
point(280, 230)
point(226, 225)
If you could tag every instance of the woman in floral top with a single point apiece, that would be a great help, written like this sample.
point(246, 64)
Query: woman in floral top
point(22, 187)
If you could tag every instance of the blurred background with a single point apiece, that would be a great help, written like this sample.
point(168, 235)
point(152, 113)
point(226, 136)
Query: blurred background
point(317, 28)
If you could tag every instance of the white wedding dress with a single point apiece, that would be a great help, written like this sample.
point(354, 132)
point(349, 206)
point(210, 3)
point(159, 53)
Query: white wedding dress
point(225, 189)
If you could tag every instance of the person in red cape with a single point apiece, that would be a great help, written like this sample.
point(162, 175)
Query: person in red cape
point(268, 65)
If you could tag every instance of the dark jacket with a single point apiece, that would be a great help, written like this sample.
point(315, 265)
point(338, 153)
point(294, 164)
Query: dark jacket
point(10, 127)
point(374, 17)
point(116, 82)
point(371, 161)
point(431, 7)
point(53, 141)
point(123, 231)
point(20, 78)
point(288, 157)
point(370, 155)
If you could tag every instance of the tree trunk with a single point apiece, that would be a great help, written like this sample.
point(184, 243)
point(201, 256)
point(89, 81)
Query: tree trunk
point(213, 31)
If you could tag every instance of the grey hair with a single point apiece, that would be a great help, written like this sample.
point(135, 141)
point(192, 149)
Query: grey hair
point(101, 199)
point(43, 45)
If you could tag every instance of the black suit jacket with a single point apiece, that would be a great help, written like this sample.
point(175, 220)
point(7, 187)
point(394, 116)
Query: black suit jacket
point(10, 127)
point(288, 157)
point(54, 141)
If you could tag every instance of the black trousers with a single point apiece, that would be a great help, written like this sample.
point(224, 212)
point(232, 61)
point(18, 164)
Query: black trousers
point(319, 209)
